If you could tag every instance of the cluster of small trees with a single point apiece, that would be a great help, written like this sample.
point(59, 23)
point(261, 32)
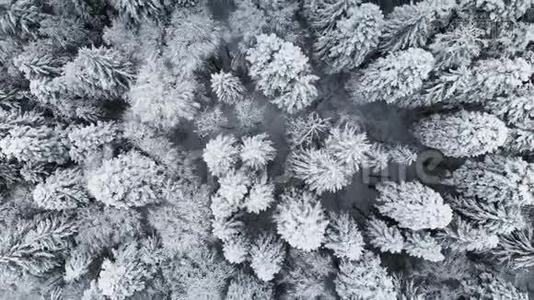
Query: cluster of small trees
point(205, 149)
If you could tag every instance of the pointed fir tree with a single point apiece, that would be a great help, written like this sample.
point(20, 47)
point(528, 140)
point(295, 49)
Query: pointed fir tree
point(63, 190)
point(134, 265)
point(38, 245)
point(245, 286)
point(494, 217)
point(413, 205)
point(306, 275)
point(35, 144)
point(393, 78)
point(346, 33)
point(461, 235)
point(343, 237)
point(364, 279)
point(98, 72)
point(423, 245)
point(301, 220)
point(383, 237)
point(257, 151)
point(267, 255)
point(227, 87)
point(129, 180)
point(136, 10)
point(92, 142)
point(411, 25)
point(161, 99)
point(260, 196)
point(319, 170)
point(496, 179)
point(199, 274)
point(462, 134)
point(220, 154)
point(516, 249)
point(282, 72)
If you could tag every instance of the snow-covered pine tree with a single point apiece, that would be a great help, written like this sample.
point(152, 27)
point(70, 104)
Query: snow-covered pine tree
point(160, 99)
point(134, 265)
point(129, 180)
point(364, 279)
point(245, 286)
point(383, 237)
point(301, 220)
point(227, 87)
point(393, 78)
point(282, 72)
point(306, 273)
point(346, 32)
point(220, 154)
point(98, 72)
point(411, 25)
point(267, 255)
point(93, 142)
point(40, 144)
point(63, 190)
point(496, 179)
point(413, 205)
point(343, 237)
point(38, 245)
point(462, 133)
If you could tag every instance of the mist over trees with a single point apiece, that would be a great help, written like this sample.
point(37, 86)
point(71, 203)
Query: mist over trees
point(261, 149)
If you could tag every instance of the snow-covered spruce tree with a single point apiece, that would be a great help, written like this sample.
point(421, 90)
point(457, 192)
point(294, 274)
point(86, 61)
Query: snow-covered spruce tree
point(63, 190)
point(38, 245)
point(245, 286)
point(134, 264)
point(267, 254)
point(220, 154)
point(320, 170)
point(383, 237)
point(517, 249)
point(282, 72)
point(462, 235)
point(301, 220)
point(493, 286)
point(494, 217)
point(393, 78)
point(423, 245)
point(137, 10)
point(346, 32)
point(160, 99)
point(458, 47)
point(462, 133)
point(305, 275)
point(257, 151)
point(343, 237)
point(331, 167)
point(516, 109)
point(507, 180)
point(184, 222)
point(101, 228)
point(411, 25)
point(192, 36)
point(304, 131)
point(199, 274)
point(227, 87)
point(413, 205)
point(98, 72)
point(129, 180)
point(93, 142)
point(41, 144)
point(364, 279)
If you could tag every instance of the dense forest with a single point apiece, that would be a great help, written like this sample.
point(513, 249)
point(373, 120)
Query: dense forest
point(266, 149)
